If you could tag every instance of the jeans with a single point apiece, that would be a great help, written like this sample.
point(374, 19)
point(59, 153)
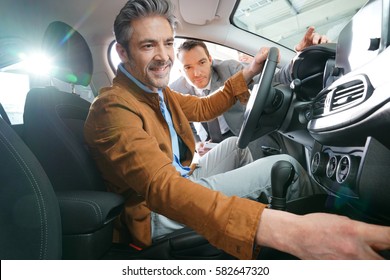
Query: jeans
point(232, 171)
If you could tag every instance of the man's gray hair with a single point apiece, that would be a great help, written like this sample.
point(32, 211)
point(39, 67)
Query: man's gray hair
point(135, 9)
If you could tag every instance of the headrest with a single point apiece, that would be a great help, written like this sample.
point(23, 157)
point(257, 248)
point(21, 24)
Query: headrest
point(69, 53)
point(308, 69)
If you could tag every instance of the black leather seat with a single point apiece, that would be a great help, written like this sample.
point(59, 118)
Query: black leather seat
point(30, 219)
point(53, 129)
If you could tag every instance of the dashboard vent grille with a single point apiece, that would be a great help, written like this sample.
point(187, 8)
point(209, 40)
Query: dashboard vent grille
point(348, 94)
point(342, 96)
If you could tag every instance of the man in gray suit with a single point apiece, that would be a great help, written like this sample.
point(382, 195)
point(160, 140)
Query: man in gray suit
point(203, 75)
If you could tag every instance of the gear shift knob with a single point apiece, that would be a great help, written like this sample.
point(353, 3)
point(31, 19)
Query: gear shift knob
point(282, 174)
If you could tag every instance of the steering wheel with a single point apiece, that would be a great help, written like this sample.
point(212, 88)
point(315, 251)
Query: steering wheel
point(257, 100)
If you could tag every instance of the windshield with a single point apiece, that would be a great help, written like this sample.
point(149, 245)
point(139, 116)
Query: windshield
point(285, 21)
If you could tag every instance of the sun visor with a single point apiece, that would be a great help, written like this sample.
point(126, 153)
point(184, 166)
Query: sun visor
point(198, 12)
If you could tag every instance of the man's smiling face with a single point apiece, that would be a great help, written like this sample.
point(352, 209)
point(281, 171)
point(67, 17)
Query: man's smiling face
point(151, 52)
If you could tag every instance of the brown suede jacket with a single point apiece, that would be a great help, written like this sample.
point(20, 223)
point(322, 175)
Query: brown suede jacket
point(130, 141)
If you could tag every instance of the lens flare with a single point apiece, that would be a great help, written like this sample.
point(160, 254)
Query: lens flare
point(37, 63)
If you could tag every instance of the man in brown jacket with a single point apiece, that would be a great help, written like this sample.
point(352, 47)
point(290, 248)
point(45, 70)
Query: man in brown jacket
point(139, 134)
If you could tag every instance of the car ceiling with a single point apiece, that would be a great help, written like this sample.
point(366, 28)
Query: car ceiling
point(94, 20)
point(35, 16)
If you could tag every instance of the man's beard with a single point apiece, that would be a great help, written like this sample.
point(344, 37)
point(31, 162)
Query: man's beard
point(159, 80)
point(149, 77)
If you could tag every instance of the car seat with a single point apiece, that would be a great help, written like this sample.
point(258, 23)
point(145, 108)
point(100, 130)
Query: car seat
point(30, 218)
point(53, 129)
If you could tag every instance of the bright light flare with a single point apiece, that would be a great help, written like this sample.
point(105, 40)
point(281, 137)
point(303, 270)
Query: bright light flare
point(37, 63)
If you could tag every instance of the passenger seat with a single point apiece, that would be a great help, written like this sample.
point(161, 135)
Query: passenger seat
point(53, 129)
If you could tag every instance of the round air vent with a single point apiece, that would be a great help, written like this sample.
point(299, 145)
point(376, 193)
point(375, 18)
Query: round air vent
point(331, 167)
point(318, 163)
point(347, 169)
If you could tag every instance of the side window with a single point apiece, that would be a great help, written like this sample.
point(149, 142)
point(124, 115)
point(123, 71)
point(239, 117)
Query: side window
point(13, 91)
point(216, 51)
point(113, 57)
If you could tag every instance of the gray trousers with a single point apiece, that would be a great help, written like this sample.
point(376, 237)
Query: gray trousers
point(232, 171)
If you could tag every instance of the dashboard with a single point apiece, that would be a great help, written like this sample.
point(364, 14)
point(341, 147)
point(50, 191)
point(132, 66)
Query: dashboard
point(349, 118)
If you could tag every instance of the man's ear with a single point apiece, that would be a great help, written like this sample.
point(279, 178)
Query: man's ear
point(122, 53)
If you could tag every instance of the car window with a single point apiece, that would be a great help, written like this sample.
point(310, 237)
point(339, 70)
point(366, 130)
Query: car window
point(285, 22)
point(216, 51)
point(13, 90)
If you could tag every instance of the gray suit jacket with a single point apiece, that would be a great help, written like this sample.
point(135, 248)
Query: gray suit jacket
point(221, 71)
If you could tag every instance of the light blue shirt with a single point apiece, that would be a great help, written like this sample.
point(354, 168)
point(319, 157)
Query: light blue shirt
point(167, 116)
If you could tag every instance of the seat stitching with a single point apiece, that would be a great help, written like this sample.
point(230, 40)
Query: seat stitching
point(38, 195)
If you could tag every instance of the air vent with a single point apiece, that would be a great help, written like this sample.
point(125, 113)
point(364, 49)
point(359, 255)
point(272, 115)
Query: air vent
point(342, 96)
point(346, 171)
point(348, 94)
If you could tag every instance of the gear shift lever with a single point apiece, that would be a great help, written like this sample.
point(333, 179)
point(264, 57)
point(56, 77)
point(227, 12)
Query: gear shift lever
point(282, 174)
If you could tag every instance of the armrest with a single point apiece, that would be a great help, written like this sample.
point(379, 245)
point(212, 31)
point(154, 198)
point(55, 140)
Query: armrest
point(86, 211)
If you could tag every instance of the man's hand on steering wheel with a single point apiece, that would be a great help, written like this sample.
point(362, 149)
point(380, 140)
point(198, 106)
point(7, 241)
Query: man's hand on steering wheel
point(257, 64)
